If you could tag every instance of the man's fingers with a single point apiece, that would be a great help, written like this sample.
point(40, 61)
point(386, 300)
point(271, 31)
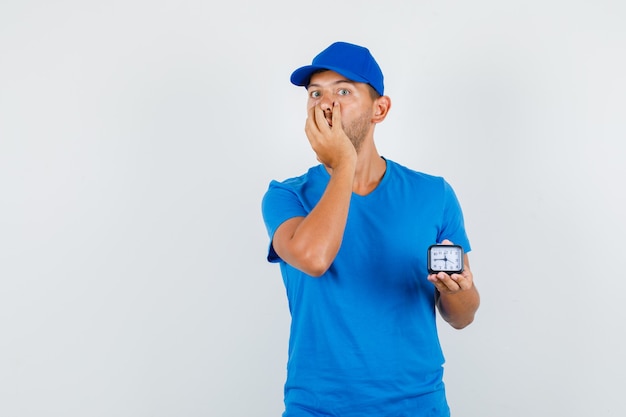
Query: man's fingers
point(315, 122)
point(320, 119)
point(336, 115)
point(451, 284)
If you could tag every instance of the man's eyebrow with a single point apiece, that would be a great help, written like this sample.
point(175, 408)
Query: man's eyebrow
point(333, 83)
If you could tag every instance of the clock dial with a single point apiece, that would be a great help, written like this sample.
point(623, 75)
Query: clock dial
point(446, 258)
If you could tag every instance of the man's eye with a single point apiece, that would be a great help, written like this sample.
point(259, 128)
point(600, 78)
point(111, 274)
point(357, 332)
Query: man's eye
point(343, 92)
point(315, 94)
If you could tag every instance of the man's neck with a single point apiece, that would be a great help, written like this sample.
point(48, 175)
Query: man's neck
point(370, 170)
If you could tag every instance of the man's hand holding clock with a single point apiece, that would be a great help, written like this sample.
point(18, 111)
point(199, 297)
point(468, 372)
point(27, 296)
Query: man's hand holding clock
point(457, 298)
point(448, 268)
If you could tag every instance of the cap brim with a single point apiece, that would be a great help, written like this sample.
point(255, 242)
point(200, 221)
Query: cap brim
point(302, 76)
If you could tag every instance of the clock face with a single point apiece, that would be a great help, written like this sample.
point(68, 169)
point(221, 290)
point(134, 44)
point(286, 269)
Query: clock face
point(446, 258)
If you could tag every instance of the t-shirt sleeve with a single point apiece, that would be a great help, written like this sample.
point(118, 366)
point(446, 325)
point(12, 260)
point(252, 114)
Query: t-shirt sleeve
point(280, 203)
point(453, 222)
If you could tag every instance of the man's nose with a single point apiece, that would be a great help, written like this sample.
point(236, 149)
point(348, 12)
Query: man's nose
point(326, 103)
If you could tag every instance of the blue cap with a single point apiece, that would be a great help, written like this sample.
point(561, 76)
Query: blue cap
point(352, 61)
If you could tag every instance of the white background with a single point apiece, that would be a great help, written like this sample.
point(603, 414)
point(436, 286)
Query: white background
point(138, 137)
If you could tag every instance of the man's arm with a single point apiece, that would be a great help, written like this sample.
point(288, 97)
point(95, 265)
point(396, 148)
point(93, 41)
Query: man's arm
point(311, 243)
point(457, 296)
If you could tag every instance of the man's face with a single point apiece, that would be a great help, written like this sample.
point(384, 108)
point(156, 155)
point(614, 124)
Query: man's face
point(356, 103)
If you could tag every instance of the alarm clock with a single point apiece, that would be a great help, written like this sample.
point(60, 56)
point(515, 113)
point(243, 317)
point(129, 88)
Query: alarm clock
point(445, 258)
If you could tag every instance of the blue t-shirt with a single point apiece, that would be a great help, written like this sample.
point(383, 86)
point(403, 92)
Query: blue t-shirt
point(363, 337)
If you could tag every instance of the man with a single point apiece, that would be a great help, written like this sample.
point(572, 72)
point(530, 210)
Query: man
point(351, 237)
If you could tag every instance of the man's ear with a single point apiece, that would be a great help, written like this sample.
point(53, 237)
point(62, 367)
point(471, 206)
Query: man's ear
point(381, 108)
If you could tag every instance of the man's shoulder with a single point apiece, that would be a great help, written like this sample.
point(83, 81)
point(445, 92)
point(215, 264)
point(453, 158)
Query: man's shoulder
point(300, 180)
point(412, 174)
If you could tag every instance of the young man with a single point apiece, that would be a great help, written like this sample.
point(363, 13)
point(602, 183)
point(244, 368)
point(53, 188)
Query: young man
point(351, 237)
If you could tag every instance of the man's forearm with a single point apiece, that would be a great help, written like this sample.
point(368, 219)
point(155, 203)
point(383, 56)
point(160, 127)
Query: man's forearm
point(318, 237)
point(458, 309)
